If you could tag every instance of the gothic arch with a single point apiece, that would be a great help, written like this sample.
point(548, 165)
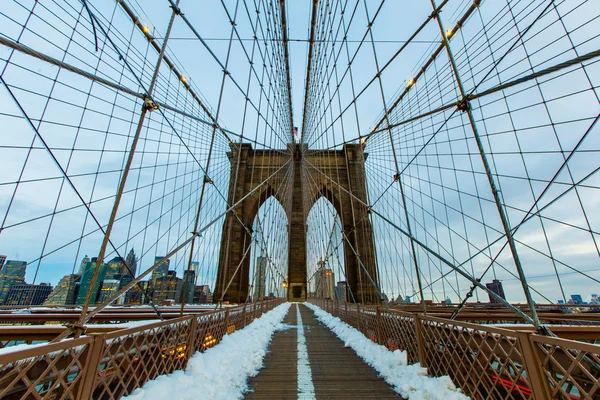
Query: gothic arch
point(338, 169)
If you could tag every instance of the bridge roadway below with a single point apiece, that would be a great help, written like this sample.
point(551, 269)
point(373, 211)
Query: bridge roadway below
point(336, 371)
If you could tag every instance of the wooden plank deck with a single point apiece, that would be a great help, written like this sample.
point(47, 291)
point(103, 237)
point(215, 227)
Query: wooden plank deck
point(337, 372)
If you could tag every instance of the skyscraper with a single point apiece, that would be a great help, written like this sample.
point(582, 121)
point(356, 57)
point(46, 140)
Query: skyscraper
point(325, 287)
point(189, 282)
point(65, 293)
point(107, 289)
point(115, 268)
point(131, 262)
point(260, 278)
point(25, 294)
point(167, 288)
point(13, 272)
point(86, 282)
point(84, 262)
point(340, 290)
point(2, 261)
point(496, 287)
point(162, 270)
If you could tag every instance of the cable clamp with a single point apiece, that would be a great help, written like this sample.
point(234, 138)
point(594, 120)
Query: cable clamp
point(176, 9)
point(397, 177)
point(150, 105)
point(74, 326)
point(208, 180)
point(463, 105)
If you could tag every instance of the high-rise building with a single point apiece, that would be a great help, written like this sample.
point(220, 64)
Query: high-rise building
point(195, 267)
point(496, 287)
point(86, 282)
point(25, 294)
point(12, 273)
point(84, 262)
point(325, 279)
point(340, 291)
point(162, 270)
point(114, 269)
point(576, 299)
point(108, 288)
point(260, 278)
point(131, 264)
point(167, 288)
point(189, 279)
point(201, 294)
point(65, 293)
point(2, 261)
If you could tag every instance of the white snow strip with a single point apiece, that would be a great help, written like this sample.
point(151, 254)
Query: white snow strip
point(306, 389)
point(410, 381)
point(220, 372)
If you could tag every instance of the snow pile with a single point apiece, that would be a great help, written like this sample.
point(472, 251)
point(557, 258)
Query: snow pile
point(220, 372)
point(410, 381)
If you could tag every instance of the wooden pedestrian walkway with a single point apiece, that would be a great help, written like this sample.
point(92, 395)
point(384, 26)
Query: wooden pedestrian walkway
point(333, 372)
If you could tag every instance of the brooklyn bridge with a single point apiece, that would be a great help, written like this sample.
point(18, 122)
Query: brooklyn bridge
point(272, 199)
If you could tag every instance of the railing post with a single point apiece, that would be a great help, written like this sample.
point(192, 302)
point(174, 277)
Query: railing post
point(532, 364)
point(244, 317)
point(379, 330)
point(92, 365)
point(226, 322)
point(358, 316)
point(345, 312)
point(420, 336)
point(191, 342)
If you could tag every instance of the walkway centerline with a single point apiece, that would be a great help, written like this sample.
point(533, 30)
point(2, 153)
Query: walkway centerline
point(306, 389)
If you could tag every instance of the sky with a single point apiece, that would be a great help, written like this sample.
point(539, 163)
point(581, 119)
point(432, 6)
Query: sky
point(527, 132)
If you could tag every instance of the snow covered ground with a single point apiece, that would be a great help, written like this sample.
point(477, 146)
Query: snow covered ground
point(410, 381)
point(220, 372)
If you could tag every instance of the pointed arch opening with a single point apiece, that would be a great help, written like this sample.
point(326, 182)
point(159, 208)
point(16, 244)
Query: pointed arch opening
point(325, 250)
point(268, 258)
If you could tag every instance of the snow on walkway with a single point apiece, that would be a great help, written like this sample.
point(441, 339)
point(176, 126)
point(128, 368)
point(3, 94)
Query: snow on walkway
point(220, 372)
point(410, 381)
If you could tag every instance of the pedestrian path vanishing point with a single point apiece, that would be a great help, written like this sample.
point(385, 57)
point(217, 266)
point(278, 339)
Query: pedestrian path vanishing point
point(307, 361)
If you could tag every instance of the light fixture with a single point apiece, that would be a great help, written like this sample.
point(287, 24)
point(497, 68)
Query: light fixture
point(284, 284)
point(183, 79)
point(410, 82)
point(145, 29)
point(449, 33)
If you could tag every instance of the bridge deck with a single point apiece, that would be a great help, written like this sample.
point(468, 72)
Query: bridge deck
point(337, 372)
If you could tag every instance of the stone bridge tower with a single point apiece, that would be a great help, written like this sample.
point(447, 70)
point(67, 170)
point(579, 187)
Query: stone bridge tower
point(332, 174)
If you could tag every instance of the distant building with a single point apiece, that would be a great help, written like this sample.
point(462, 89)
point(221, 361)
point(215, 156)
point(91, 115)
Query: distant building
point(12, 273)
point(2, 261)
point(84, 262)
point(25, 294)
point(201, 294)
point(260, 278)
point(108, 288)
point(594, 299)
point(65, 293)
point(114, 269)
point(576, 299)
point(85, 284)
point(162, 270)
point(189, 281)
point(496, 287)
point(145, 294)
point(195, 267)
point(324, 283)
point(167, 288)
point(131, 265)
point(341, 291)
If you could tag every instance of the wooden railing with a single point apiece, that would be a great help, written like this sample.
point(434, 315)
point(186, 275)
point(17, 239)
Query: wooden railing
point(485, 362)
point(112, 365)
